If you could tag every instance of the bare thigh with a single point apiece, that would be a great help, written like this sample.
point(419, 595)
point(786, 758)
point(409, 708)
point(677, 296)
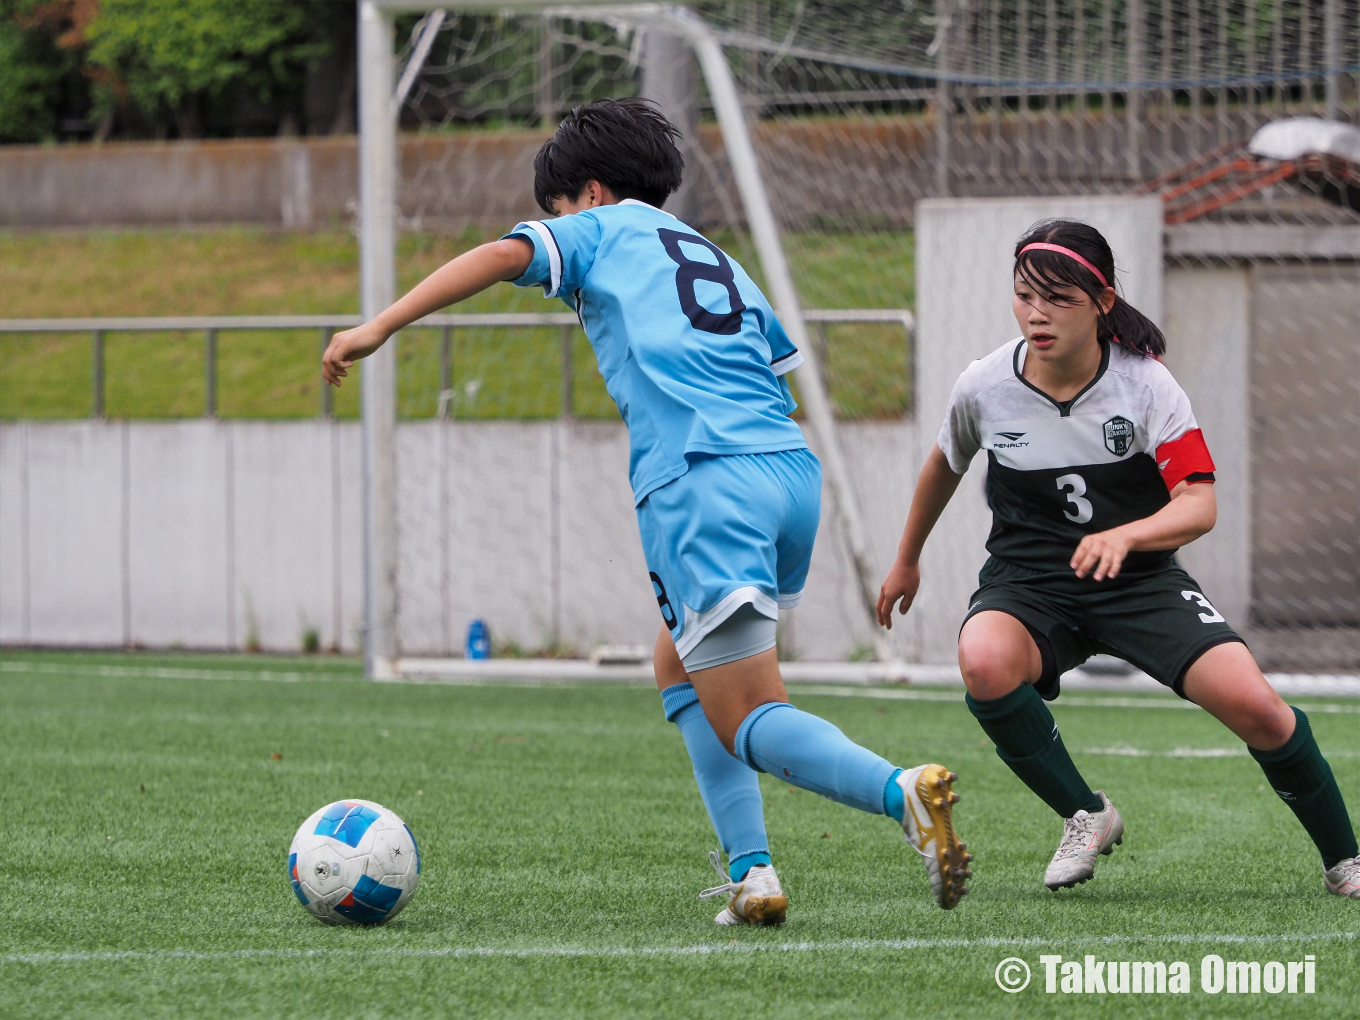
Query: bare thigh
point(666, 662)
point(1226, 682)
point(997, 655)
point(732, 691)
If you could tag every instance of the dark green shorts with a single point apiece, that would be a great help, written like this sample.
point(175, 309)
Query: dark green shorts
point(1158, 621)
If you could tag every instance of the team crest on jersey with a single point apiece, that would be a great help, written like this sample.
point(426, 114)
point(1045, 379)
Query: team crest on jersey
point(1118, 435)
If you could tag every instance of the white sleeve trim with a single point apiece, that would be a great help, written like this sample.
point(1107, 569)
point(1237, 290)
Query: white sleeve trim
point(787, 363)
point(554, 283)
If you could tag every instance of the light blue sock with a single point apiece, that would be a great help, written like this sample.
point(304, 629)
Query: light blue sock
point(806, 751)
point(730, 790)
point(894, 801)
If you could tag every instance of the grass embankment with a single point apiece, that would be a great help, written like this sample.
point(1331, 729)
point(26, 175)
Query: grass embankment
point(496, 373)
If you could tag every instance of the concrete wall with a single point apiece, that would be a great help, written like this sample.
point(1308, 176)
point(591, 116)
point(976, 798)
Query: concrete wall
point(1268, 352)
point(208, 534)
point(1208, 329)
point(863, 171)
point(194, 533)
point(293, 183)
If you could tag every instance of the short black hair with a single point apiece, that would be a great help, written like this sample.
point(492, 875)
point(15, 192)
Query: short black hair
point(626, 144)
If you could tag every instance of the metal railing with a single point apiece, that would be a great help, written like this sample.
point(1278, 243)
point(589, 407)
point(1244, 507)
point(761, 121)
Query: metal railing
point(326, 325)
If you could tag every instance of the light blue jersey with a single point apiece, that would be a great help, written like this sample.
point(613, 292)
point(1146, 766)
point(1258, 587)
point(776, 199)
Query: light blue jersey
point(689, 348)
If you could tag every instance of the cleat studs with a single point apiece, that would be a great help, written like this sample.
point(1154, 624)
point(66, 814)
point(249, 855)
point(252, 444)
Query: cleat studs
point(953, 798)
point(953, 777)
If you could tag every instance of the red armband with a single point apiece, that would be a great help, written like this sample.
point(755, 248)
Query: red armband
point(1185, 459)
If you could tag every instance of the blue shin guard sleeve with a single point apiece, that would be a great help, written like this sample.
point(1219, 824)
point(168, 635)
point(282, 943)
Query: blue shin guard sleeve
point(730, 790)
point(807, 751)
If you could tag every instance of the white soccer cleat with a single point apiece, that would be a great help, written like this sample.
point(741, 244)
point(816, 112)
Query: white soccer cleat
point(1085, 837)
point(756, 899)
point(928, 824)
point(1343, 878)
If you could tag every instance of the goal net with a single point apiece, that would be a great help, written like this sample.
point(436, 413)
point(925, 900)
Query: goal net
point(506, 499)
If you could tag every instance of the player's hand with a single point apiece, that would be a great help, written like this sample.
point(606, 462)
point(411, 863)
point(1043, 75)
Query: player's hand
point(346, 348)
point(1101, 555)
point(901, 584)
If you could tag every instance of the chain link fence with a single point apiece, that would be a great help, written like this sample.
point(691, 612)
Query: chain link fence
point(860, 110)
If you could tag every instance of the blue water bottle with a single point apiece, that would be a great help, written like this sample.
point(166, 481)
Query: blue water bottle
point(478, 640)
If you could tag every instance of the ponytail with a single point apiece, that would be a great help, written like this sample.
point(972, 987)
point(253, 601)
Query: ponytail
point(1083, 259)
point(1130, 328)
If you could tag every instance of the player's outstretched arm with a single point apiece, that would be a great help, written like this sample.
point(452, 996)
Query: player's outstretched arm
point(934, 488)
point(470, 273)
point(1192, 512)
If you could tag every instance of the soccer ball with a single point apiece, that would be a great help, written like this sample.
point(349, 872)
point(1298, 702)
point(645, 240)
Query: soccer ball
point(354, 862)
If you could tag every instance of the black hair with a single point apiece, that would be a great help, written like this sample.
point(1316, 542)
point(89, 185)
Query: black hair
point(625, 144)
point(1123, 323)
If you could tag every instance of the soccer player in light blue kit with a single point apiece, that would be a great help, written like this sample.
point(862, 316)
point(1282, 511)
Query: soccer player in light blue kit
point(727, 493)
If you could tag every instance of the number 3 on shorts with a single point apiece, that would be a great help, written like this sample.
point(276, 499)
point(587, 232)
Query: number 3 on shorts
point(1212, 616)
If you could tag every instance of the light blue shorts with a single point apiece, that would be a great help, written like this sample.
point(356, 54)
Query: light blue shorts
point(732, 531)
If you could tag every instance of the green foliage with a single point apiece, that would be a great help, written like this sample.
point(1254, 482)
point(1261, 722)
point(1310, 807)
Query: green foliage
point(160, 53)
point(32, 67)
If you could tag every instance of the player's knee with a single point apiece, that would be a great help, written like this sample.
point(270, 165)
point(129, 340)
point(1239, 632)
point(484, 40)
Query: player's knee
point(1270, 722)
point(988, 671)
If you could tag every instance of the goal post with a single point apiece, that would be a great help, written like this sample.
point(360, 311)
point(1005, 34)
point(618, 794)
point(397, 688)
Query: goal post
point(377, 217)
point(378, 284)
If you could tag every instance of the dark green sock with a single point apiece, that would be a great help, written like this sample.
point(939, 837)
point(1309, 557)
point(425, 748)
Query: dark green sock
point(1027, 740)
point(1303, 779)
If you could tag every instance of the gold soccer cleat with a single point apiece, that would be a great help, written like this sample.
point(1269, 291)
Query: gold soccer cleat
point(929, 828)
point(756, 899)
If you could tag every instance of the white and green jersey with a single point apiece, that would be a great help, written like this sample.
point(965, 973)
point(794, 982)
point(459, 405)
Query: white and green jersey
point(1057, 471)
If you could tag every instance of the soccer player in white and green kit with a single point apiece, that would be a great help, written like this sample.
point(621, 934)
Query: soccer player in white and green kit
point(1096, 473)
point(726, 491)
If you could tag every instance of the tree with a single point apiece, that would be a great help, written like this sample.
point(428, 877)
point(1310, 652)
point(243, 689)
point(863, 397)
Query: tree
point(39, 66)
point(165, 57)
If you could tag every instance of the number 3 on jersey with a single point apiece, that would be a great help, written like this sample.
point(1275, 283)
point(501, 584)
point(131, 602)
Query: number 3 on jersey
point(1075, 487)
point(690, 271)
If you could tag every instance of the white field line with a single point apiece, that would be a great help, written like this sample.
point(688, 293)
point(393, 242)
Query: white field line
point(84, 669)
point(1065, 701)
point(701, 949)
point(1082, 680)
point(829, 690)
point(1125, 751)
point(555, 672)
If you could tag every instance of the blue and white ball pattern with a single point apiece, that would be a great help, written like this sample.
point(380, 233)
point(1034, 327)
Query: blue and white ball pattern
point(354, 862)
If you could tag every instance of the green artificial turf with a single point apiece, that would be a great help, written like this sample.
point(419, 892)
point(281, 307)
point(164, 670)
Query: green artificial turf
point(496, 373)
point(149, 802)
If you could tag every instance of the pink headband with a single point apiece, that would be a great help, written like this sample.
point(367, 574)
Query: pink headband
point(1042, 246)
